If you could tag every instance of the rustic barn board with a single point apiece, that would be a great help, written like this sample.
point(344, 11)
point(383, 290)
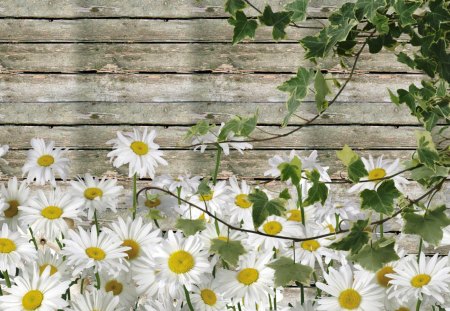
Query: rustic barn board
point(181, 58)
point(252, 164)
point(141, 8)
point(181, 87)
point(188, 113)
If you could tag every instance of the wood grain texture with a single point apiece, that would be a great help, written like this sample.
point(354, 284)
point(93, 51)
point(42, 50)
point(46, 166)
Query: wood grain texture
point(180, 58)
point(242, 88)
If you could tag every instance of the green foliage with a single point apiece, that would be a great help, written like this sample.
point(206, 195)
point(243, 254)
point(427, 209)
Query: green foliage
point(263, 207)
point(201, 128)
point(278, 21)
point(426, 152)
point(240, 126)
point(233, 6)
point(287, 271)
point(291, 171)
point(355, 240)
point(322, 89)
point(380, 200)
point(243, 27)
point(190, 226)
point(374, 256)
point(355, 166)
point(298, 9)
point(428, 226)
point(228, 250)
point(203, 187)
point(318, 191)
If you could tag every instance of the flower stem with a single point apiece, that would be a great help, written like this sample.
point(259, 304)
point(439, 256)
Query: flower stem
point(33, 238)
point(419, 302)
point(134, 195)
point(7, 280)
point(216, 169)
point(420, 250)
point(97, 279)
point(299, 202)
point(381, 226)
point(188, 298)
point(97, 228)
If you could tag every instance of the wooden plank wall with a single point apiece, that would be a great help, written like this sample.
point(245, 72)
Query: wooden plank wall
point(78, 71)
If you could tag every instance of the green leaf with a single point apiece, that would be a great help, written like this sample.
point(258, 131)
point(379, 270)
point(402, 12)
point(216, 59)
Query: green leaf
point(381, 23)
point(228, 250)
point(405, 11)
point(382, 199)
point(203, 187)
point(347, 155)
point(278, 20)
point(375, 255)
point(322, 90)
point(263, 207)
point(356, 170)
point(298, 7)
point(291, 170)
point(318, 191)
point(190, 227)
point(201, 128)
point(243, 27)
point(426, 152)
point(370, 7)
point(285, 194)
point(154, 214)
point(355, 240)
point(394, 98)
point(286, 271)
point(232, 6)
point(428, 226)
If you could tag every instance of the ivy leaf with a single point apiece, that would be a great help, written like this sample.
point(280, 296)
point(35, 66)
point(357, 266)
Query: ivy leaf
point(347, 155)
point(278, 20)
point(370, 7)
point(286, 271)
point(201, 128)
point(228, 250)
point(203, 187)
point(381, 23)
point(263, 207)
point(405, 11)
point(190, 226)
point(232, 6)
point(154, 213)
point(298, 7)
point(318, 191)
point(428, 226)
point(291, 170)
point(355, 166)
point(285, 194)
point(375, 255)
point(380, 200)
point(243, 27)
point(322, 90)
point(297, 86)
point(427, 153)
point(355, 240)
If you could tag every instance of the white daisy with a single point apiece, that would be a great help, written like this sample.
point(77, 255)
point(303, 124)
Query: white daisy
point(86, 249)
point(241, 208)
point(15, 251)
point(293, 213)
point(15, 196)
point(379, 169)
point(335, 205)
point(47, 258)
point(214, 201)
point(210, 233)
point(120, 286)
point(96, 194)
point(350, 292)
point(251, 283)
point(428, 278)
point(35, 291)
point(161, 201)
point(307, 306)
point(186, 182)
point(138, 150)
point(207, 296)
point(44, 162)
point(3, 150)
point(47, 214)
point(97, 300)
point(144, 275)
point(275, 161)
point(311, 163)
point(164, 305)
point(180, 262)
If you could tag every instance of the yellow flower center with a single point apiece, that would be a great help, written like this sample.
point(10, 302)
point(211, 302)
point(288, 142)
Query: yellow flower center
point(349, 299)
point(92, 193)
point(95, 253)
point(114, 287)
point(32, 300)
point(377, 173)
point(223, 238)
point(46, 160)
point(53, 269)
point(331, 228)
point(295, 215)
point(134, 251)
point(152, 203)
point(7, 246)
point(206, 196)
point(272, 227)
point(420, 280)
point(208, 297)
point(52, 212)
point(310, 245)
point(12, 210)
point(382, 279)
point(242, 201)
point(181, 262)
point(139, 147)
point(248, 276)
point(202, 216)
point(403, 309)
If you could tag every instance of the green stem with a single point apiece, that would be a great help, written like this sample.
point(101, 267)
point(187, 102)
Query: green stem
point(97, 228)
point(420, 249)
point(302, 292)
point(97, 280)
point(275, 301)
point(299, 202)
point(33, 238)
point(134, 195)
point(216, 169)
point(270, 303)
point(239, 306)
point(7, 280)
point(188, 298)
point(319, 292)
point(381, 226)
point(81, 286)
point(419, 302)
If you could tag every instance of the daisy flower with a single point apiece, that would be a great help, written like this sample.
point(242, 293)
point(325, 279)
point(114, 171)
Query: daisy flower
point(47, 214)
point(120, 286)
point(215, 200)
point(311, 163)
point(35, 291)
point(275, 225)
point(275, 161)
point(3, 150)
point(138, 150)
point(96, 194)
point(104, 252)
point(335, 205)
point(186, 182)
point(144, 276)
point(207, 296)
point(251, 283)
point(165, 305)
point(210, 233)
point(136, 235)
point(47, 258)
point(307, 306)
point(427, 278)
point(379, 169)
point(349, 292)
point(161, 201)
point(241, 208)
point(15, 196)
point(293, 213)
point(15, 251)
point(97, 300)
point(44, 161)
point(180, 262)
